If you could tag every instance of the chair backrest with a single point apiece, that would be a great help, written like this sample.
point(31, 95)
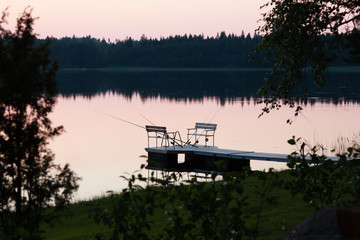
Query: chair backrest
point(209, 126)
point(155, 129)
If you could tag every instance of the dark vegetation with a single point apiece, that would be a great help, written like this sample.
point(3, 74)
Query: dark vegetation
point(246, 205)
point(296, 41)
point(275, 219)
point(30, 180)
point(188, 51)
point(232, 207)
point(174, 51)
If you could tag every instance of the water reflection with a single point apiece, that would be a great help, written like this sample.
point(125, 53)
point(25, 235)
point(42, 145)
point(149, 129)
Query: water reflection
point(100, 148)
point(224, 86)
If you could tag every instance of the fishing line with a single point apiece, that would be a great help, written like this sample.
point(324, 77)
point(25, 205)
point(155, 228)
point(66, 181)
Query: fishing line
point(120, 119)
point(208, 116)
point(134, 123)
point(146, 119)
point(214, 115)
point(189, 140)
point(305, 117)
point(211, 119)
point(196, 140)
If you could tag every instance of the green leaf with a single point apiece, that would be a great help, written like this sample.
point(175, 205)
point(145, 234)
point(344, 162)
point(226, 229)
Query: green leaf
point(291, 141)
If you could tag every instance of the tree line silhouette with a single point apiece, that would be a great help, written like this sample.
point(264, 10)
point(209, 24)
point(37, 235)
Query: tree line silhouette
point(187, 51)
point(173, 51)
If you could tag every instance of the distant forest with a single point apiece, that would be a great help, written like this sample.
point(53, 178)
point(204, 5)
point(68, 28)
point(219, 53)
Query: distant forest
point(188, 51)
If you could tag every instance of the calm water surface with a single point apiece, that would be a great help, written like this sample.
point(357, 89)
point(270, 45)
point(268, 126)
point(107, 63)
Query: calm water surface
point(100, 148)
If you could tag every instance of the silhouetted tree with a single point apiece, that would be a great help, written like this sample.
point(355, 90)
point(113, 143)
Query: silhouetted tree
point(173, 51)
point(29, 179)
point(297, 36)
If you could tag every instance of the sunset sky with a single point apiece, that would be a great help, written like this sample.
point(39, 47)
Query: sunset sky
point(118, 19)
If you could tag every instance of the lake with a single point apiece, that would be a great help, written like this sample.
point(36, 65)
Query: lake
point(100, 148)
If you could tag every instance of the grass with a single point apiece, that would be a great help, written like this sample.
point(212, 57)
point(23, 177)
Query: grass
point(281, 218)
point(78, 222)
point(275, 220)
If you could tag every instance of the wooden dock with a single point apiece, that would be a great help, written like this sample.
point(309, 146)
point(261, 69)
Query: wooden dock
point(207, 158)
point(200, 158)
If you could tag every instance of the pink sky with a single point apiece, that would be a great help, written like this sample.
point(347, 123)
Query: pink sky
point(118, 19)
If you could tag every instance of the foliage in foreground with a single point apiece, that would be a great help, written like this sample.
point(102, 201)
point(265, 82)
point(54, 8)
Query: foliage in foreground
point(190, 209)
point(296, 38)
point(323, 182)
point(30, 181)
point(275, 220)
point(219, 209)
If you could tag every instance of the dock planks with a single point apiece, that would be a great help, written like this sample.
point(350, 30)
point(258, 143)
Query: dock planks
point(205, 157)
point(220, 152)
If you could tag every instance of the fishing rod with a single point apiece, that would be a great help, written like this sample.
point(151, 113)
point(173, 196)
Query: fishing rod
point(196, 140)
point(214, 115)
point(174, 139)
point(146, 119)
point(120, 119)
